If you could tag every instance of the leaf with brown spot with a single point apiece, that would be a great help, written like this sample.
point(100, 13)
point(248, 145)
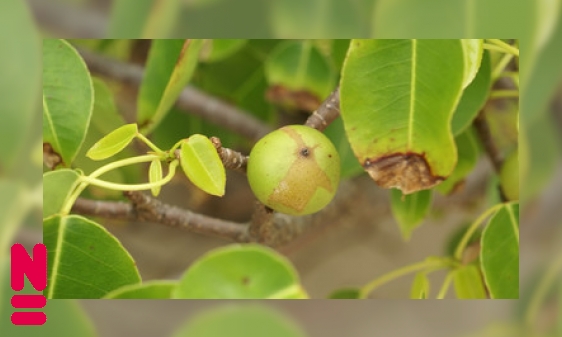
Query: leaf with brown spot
point(397, 99)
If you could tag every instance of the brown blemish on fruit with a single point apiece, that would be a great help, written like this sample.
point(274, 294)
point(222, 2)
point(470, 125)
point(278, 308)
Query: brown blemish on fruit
point(408, 172)
point(291, 191)
point(51, 158)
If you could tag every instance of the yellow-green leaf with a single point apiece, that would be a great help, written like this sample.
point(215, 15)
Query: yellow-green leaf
point(472, 49)
point(202, 165)
point(113, 143)
point(155, 174)
point(468, 283)
point(420, 287)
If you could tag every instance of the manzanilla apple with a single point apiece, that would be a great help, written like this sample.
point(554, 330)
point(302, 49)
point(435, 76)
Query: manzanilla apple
point(294, 170)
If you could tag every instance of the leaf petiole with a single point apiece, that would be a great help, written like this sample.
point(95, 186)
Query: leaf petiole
point(445, 286)
point(150, 144)
point(430, 264)
point(499, 45)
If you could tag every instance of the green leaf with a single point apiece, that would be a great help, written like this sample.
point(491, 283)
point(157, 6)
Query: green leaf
point(143, 18)
point(220, 49)
point(468, 283)
point(169, 67)
point(113, 143)
point(57, 186)
point(420, 286)
point(64, 317)
point(397, 115)
point(20, 66)
point(345, 293)
point(409, 210)
point(84, 259)
point(472, 57)
point(301, 68)
point(202, 165)
point(145, 290)
point(500, 253)
point(238, 320)
point(68, 99)
point(350, 167)
point(473, 98)
point(12, 212)
point(467, 148)
point(155, 174)
point(240, 271)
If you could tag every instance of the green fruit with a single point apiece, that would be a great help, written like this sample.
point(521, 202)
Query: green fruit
point(294, 170)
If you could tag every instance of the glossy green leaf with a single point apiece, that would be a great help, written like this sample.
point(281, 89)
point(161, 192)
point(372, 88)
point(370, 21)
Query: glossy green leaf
point(420, 286)
point(220, 49)
point(145, 290)
point(143, 18)
point(84, 259)
point(500, 253)
point(238, 320)
point(468, 284)
point(409, 210)
point(155, 174)
point(350, 167)
point(345, 293)
point(467, 148)
point(113, 143)
point(473, 98)
point(472, 57)
point(442, 19)
point(338, 52)
point(68, 99)
point(20, 66)
point(299, 66)
point(202, 165)
point(397, 114)
point(12, 212)
point(64, 317)
point(240, 271)
point(169, 67)
point(57, 186)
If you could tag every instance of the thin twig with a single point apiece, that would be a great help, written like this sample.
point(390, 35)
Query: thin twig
point(326, 113)
point(191, 99)
point(146, 208)
point(483, 131)
point(232, 160)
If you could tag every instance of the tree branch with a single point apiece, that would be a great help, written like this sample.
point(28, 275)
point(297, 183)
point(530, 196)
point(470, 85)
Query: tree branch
point(191, 100)
point(483, 131)
point(231, 159)
point(326, 113)
point(146, 208)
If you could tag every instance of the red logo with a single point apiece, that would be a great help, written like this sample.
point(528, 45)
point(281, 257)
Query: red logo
point(35, 268)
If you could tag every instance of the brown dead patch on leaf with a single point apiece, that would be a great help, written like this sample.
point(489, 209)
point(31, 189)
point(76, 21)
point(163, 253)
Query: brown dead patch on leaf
point(296, 99)
point(51, 158)
point(408, 172)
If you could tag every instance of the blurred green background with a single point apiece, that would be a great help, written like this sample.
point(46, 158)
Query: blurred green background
point(537, 24)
